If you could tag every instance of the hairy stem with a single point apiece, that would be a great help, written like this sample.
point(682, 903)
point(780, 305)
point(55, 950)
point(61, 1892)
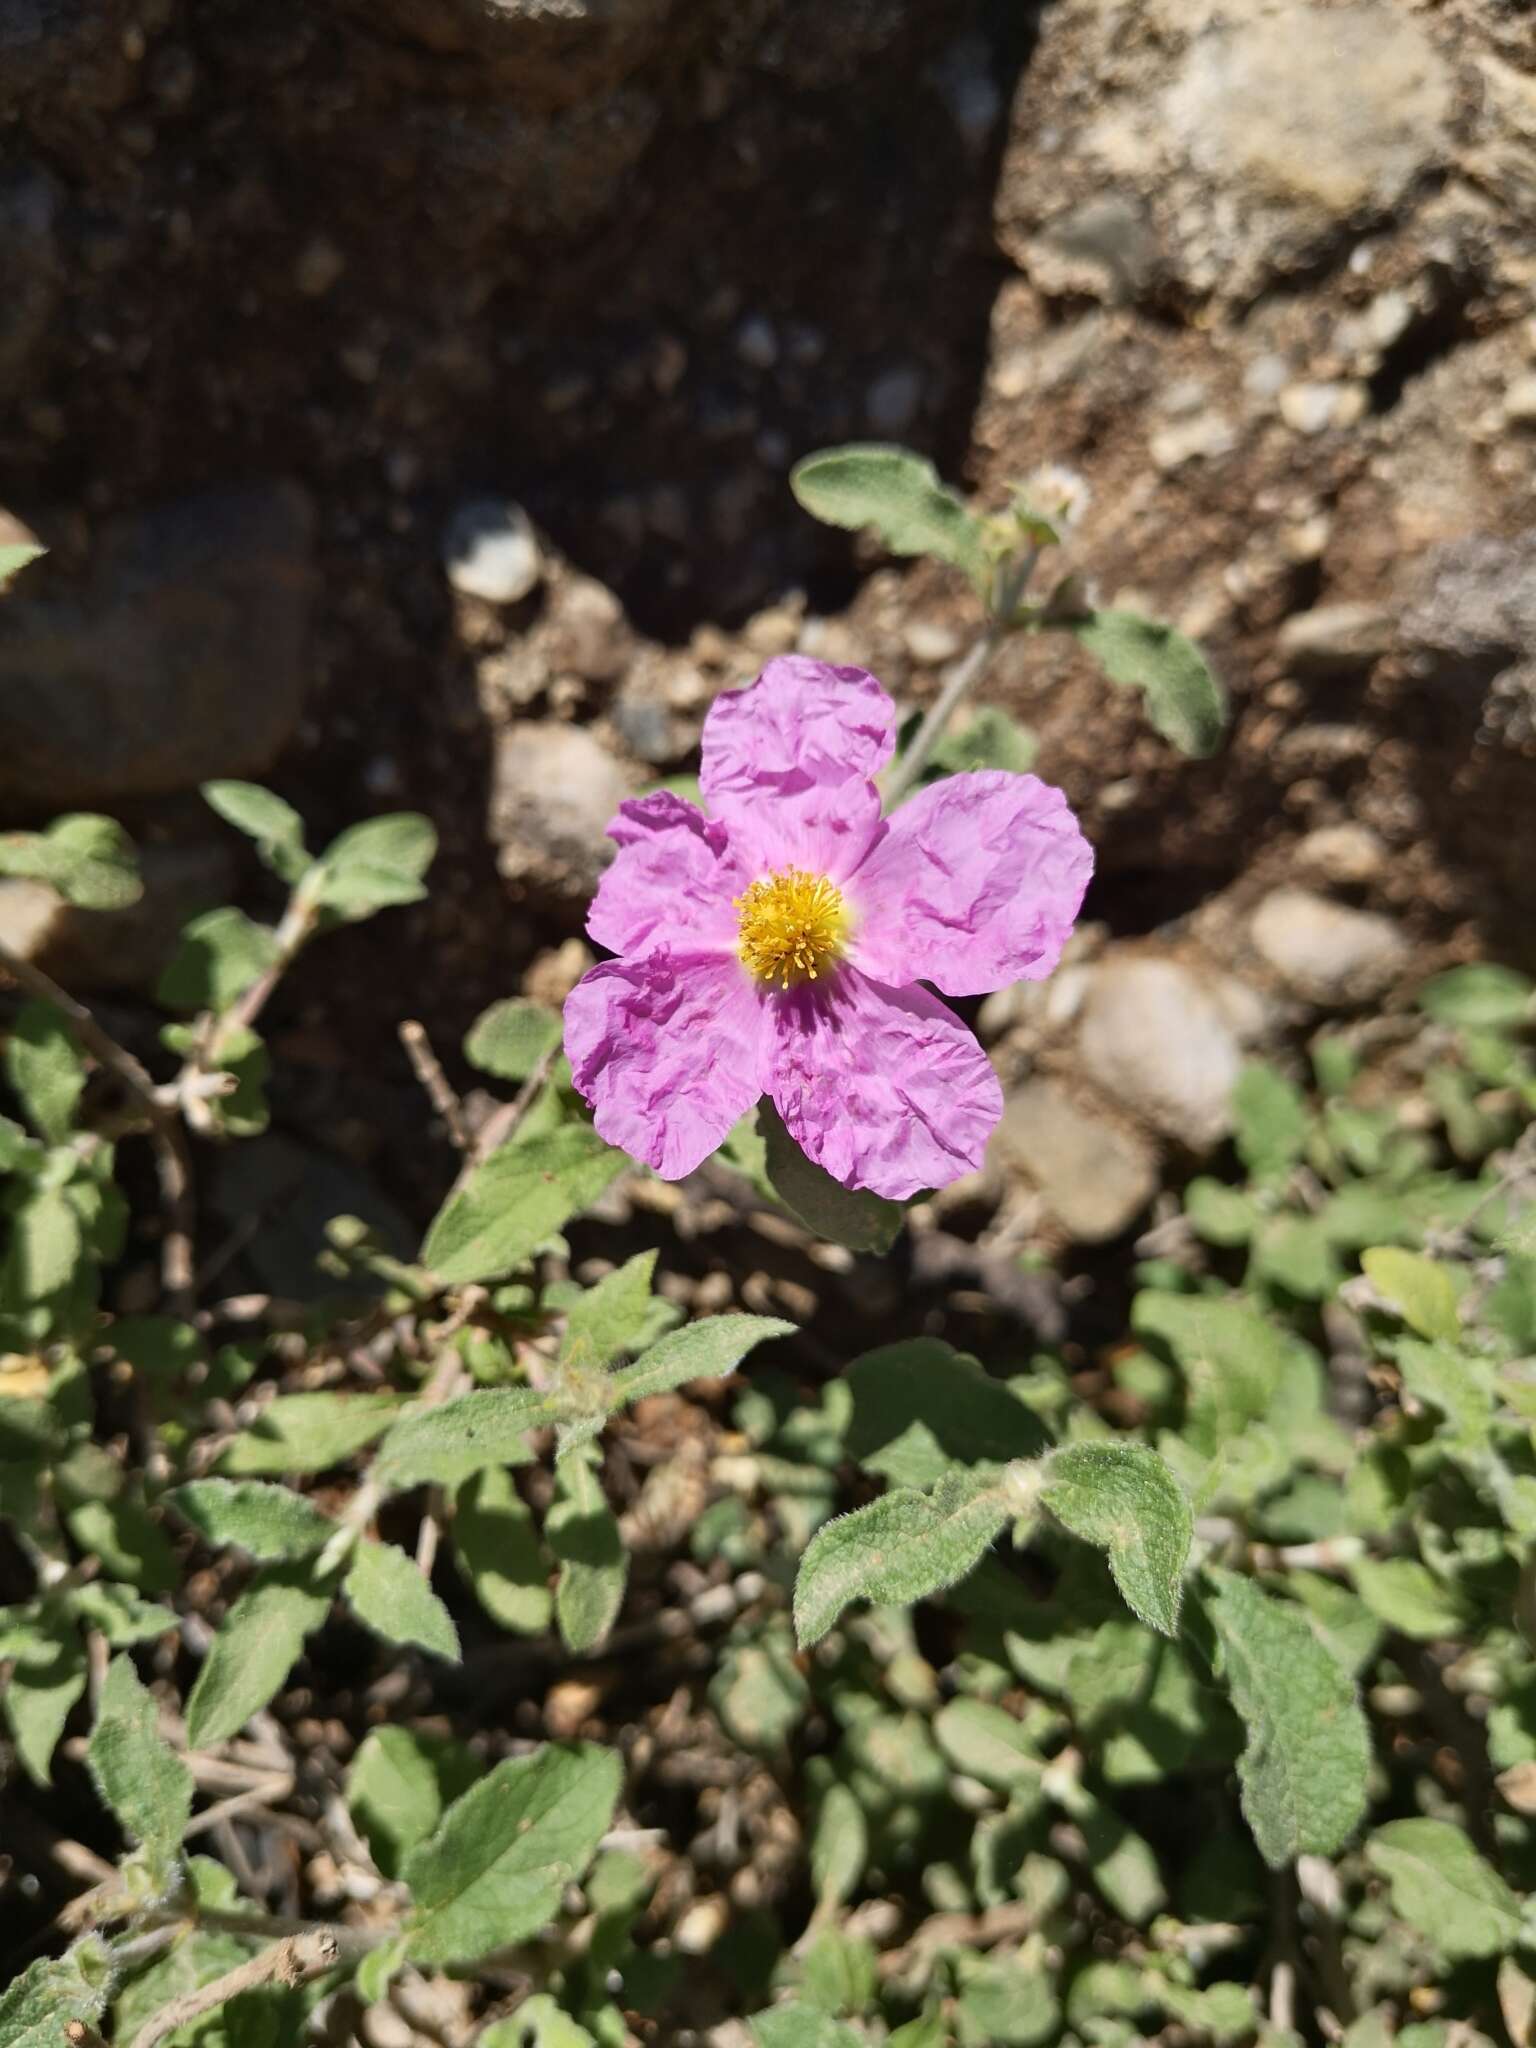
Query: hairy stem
point(963, 678)
point(289, 1962)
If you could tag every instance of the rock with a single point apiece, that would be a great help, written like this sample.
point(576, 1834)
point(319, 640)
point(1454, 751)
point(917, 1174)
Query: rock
point(1325, 951)
point(490, 551)
point(756, 343)
point(931, 642)
point(87, 950)
point(1203, 438)
point(892, 400)
point(1347, 854)
point(554, 974)
point(182, 655)
point(1519, 406)
point(553, 50)
point(1156, 1036)
point(1301, 119)
point(1475, 612)
point(1335, 639)
point(1310, 408)
point(554, 791)
point(1106, 248)
point(1095, 1178)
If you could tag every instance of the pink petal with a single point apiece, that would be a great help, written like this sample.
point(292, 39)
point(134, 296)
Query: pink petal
point(788, 762)
point(667, 1051)
point(671, 882)
point(884, 1087)
point(974, 883)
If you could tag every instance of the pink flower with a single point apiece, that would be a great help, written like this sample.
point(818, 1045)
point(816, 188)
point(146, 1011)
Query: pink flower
point(778, 946)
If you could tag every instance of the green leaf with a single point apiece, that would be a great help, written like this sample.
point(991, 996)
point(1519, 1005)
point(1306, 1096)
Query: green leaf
point(1221, 1215)
point(1005, 2002)
point(1232, 1359)
point(758, 1693)
point(276, 826)
point(1185, 702)
point(1480, 997)
point(43, 1687)
point(46, 1246)
point(705, 1350)
point(221, 954)
point(510, 1038)
point(127, 1540)
point(900, 1548)
point(538, 2023)
point(868, 483)
point(515, 1201)
point(256, 1647)
point(987, 1743)
point(920, 1408)
point(1270, 1121)
point(390, 1593)
point(499, 1553)
point(447, 1444)
point(594, 1566)
point(89, 860)
point(1303, 1771)
point(266, 1521)
point(989, 739)
point(308, 1433)
point(1220, 2012)
point(803, 2026)
point(1408, 1597)
point(1422, 1291)
point(14, 557)
point(50, 1995)
point(136, 1772)
point(839, 1847)
point(376, 864)
point(1444, 1888)
point(494, 1872)
point(611, 1318)
point(847, 1216)
point(399, 1787)
point(1122, 1497)
point(44, 1067)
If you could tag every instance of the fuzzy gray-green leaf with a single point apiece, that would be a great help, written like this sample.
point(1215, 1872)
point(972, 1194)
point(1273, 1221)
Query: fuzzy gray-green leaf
point(516, 1200)
point(139, 1776)
point(1122, 1497)
point(1444, 1888)
point(1303, 1771)
point(253, 1515)
point(900, 1548)
point(256, 1647)
point(899, 494)
point(1185, 703)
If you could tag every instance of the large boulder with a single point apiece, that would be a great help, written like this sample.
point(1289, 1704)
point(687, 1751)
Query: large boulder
point(181, 654)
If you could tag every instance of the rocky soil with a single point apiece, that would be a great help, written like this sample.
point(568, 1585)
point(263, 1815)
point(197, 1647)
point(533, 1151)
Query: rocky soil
point(407, 392)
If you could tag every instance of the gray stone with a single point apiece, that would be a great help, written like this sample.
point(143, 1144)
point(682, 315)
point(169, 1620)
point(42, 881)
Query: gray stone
point(1335, 639)
point(87, 950)
point(1301, 119)
point(1106, 247)
point(891, 402)
point(181, 654)
point(1156, 1036)
point(490, 551)
point(555, 789)
point(1475, 610)
point(1095, 1178)
point(1325, 951)
point(1348, 853)
point(1311, 408)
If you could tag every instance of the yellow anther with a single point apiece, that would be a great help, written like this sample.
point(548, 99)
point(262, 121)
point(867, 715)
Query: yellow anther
point(793, 926)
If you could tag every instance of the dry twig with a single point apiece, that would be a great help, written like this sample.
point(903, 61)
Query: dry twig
point(428, 1069)
point(289, 1962)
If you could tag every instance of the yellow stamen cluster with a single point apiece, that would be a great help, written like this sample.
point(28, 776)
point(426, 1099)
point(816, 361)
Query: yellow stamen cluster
point(793, 926)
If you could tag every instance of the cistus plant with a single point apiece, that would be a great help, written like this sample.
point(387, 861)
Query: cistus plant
point(1173, 1687)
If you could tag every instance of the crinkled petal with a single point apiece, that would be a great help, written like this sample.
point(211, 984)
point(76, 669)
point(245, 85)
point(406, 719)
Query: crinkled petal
point(884, 1087)
point(975, 883)
point(668, 1051)
point(671, 882)
point(787, 764)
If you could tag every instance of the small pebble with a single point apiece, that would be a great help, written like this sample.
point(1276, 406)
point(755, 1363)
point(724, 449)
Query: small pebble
point(490, 551)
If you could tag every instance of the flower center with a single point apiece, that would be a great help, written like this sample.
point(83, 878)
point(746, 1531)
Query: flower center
point(793, 925)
